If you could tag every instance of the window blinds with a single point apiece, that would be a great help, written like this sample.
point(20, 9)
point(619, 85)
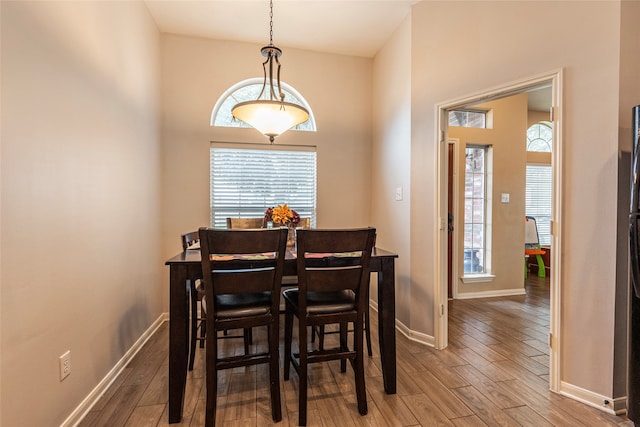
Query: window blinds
point(246, 181)
point(538, 200)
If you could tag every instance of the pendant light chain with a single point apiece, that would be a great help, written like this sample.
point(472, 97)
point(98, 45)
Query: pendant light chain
point(271, 116)
point(270, 22)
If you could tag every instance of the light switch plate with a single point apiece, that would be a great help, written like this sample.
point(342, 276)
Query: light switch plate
point(505, 198)
point(398, 193)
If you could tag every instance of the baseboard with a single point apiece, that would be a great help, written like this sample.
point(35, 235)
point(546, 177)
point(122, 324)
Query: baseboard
point(491, 294)
point(85, 406)
point(418, 337)
point(617, 406)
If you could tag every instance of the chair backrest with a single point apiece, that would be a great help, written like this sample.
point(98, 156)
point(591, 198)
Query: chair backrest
point(189, 239)
point(531, 240)
point(245, 222)
point(243, 261)
point(304, 223)
point(333, 260)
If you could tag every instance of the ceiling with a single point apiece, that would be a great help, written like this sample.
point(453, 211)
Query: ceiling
point(348, 27)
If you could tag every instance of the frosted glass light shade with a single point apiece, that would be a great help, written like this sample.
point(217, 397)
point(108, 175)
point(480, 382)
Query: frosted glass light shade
point(271, 118)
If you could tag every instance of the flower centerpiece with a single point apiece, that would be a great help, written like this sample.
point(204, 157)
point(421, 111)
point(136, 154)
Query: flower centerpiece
point(283, 215)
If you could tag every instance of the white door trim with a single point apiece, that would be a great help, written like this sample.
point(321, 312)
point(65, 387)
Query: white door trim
point(554, 78)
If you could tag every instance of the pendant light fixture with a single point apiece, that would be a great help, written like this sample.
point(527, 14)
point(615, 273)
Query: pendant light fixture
point(269, 113)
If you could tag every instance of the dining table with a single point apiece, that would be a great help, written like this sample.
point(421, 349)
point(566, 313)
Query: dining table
point(186, 266)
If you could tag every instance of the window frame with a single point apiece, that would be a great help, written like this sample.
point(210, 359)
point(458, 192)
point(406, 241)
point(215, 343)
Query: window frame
point(246, 159)
point(485, 258)
point(543, 219)
point(466, 122)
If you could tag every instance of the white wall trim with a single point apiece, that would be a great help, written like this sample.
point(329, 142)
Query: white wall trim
point(612, 406)
point(415, 336)
point(554, 78)
point(92, 398)
point(491, 294)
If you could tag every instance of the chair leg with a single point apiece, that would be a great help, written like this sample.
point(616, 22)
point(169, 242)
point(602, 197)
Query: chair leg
point(302, 392)
point(541, 269)
point(288, 333)
point(367, 330)
point(344, 327)
point(274, 372)
point(194, 323)
point(320, 337)
point(358, 368)
point(203, 327)
point(247, 339)
point(211, 382)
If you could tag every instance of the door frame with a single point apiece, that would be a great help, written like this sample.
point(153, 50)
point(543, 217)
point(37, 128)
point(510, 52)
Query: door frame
point(553, 78)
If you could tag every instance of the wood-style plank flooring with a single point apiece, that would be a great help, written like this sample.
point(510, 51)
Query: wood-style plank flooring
point(494, 373)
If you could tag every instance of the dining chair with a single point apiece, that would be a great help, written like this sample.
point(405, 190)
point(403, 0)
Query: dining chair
point(242, 274)
point(245, 222)
point(333, 272)
point(321, 332)
point(234, 223)
point(191, 240)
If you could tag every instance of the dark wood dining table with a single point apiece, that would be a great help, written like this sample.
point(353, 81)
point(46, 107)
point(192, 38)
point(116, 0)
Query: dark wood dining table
point(186, 265)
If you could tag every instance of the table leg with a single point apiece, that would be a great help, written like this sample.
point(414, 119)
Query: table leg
point(386, 323)
point(178, 342)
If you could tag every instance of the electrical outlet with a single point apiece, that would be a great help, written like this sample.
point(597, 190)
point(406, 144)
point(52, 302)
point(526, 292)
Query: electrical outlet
point(65, 365)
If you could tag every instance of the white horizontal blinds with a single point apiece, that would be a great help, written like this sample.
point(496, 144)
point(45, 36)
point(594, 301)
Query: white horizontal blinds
point(539, 196)
point(246, 181)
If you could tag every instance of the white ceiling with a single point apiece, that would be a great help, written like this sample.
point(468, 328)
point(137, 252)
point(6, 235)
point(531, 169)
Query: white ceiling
point(348, 27)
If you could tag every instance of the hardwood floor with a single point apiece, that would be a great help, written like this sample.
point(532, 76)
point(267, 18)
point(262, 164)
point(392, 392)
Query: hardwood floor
point(494, 372)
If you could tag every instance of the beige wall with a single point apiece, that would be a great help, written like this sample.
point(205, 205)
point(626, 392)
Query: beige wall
point(507, 138)
point(629, 96)
point(80, 196)
point(461, 48)
point(391, 153)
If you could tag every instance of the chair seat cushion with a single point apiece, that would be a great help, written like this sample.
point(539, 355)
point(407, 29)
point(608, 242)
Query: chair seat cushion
point(241, 305)
point(324, 302)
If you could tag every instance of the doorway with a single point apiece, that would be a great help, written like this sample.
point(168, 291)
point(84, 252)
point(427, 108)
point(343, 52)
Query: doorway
point(553, 81)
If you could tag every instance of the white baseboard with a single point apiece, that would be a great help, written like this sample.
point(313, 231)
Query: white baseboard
point(85, 406)
point(612, 406)
point(418, 337)
point(491, 294)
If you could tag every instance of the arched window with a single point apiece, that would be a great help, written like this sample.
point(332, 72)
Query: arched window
point(249, 90)
point(540, 138)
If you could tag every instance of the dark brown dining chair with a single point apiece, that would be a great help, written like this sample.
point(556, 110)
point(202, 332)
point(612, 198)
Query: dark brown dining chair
point(321, 332)
point(196, 292)
point(242, 273)
point(198, 330)
point(333, 275)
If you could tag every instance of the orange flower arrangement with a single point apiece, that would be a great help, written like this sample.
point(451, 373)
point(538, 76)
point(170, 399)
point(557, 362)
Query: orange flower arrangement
point(282, 215)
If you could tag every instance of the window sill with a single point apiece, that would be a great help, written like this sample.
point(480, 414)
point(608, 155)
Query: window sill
point(477, 278)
